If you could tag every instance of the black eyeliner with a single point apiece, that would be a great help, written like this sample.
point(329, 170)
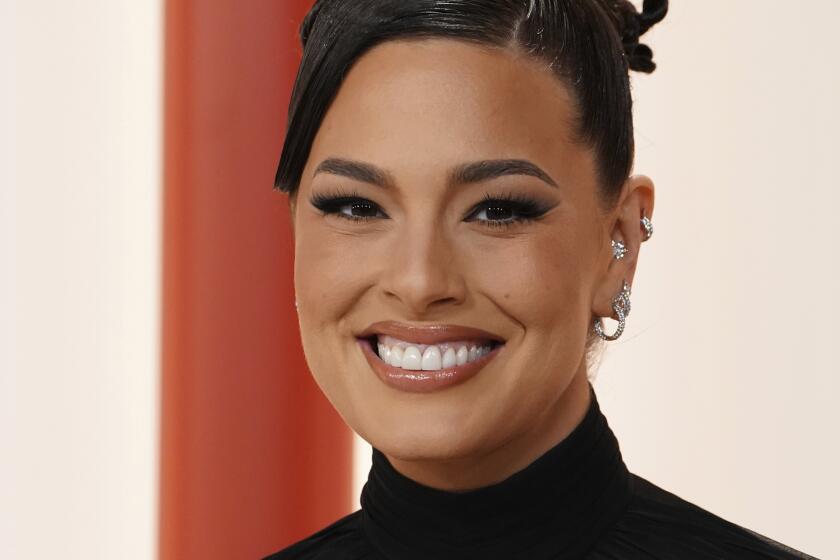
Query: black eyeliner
point(527, 208)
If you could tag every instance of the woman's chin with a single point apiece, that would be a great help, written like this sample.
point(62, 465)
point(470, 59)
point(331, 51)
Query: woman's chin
point(433, 441)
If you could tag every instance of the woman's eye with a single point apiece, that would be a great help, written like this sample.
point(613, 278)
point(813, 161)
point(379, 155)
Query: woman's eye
point(495, 214)
point(501, 212)
point(349, 207)
point(360, 210)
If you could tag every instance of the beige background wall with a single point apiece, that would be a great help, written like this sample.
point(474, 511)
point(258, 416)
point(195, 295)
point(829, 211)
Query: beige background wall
point(79, 267)
point(724, 389)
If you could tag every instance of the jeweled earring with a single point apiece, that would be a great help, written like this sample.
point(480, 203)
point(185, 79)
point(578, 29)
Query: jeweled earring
point(648, 225)
point(621, 306)
point(619, 249)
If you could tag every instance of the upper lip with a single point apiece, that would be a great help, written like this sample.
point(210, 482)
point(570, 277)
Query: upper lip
point(428, 334)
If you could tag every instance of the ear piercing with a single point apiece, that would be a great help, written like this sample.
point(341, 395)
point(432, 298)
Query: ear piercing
point(621, 307)
point(648, 225)
point(619, 249)
point(621, 302)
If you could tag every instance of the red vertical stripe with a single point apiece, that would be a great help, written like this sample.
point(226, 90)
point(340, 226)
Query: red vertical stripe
point(252, 455)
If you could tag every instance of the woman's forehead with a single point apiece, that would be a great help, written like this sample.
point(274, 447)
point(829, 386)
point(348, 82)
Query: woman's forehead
point(446, 101)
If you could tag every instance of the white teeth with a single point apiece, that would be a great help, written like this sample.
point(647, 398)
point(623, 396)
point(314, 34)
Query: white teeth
point(396, 356)
point(411, 358)
point(384, 353)
point(449, 358)
point(431, 358)
point(463, 356)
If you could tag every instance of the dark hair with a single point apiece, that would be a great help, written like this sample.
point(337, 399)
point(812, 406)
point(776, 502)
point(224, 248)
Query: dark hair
point(589, 44)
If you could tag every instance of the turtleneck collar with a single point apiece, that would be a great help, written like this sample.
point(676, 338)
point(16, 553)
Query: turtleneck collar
point(556, 507)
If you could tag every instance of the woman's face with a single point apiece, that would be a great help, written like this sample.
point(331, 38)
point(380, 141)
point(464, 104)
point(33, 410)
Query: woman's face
point(425, 248)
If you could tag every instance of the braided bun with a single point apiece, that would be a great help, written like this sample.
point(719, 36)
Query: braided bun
point(631, 25)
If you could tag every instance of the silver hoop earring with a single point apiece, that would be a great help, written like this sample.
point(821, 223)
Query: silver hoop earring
point(619, 249)
point(648, 225)
point(621, 306)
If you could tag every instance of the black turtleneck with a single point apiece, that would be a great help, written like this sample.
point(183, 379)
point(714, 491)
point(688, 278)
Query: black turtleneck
point(576, 501)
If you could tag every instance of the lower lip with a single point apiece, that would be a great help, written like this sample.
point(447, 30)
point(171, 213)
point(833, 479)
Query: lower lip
point(423, 381)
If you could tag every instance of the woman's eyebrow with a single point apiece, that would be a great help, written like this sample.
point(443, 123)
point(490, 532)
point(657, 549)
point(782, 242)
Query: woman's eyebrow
point(493, 168)
point(474, 172)
point(357, 170)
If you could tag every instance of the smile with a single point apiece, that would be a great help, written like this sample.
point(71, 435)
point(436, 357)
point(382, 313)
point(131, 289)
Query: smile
point(422, 359)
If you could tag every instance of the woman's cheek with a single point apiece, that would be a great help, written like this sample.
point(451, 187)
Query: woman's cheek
point(328, 275)
point(534, 279)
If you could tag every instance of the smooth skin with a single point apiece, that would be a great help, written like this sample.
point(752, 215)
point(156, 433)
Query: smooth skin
point(415, 110)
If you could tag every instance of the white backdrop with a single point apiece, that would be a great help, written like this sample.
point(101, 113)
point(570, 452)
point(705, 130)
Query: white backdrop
point(724, 388)
point(79, 304)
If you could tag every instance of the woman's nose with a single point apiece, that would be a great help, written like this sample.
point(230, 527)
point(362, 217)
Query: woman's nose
point(423, 271)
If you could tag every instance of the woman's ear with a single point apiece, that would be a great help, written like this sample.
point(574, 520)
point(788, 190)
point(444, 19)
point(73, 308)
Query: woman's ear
point(625, 226)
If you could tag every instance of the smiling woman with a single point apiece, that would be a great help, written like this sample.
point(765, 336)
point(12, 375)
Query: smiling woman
point(464, 217)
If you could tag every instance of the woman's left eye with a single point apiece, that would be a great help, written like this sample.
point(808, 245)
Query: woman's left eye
point(506, 211)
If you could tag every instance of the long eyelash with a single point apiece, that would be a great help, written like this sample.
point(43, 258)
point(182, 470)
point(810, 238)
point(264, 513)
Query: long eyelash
point(331, 202)
point(526, 208)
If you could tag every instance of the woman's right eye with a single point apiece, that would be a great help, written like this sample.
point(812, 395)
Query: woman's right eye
point(353, 208)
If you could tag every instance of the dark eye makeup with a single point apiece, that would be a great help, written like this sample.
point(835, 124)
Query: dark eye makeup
point(495, 211)
point(350, 206)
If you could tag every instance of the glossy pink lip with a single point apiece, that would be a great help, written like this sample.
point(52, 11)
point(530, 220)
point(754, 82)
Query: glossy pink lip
point(422, 381)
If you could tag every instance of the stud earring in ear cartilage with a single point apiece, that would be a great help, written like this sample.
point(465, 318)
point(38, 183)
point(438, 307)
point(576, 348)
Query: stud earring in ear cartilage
point(621, 306)
point(619, 249)
point(648, 225)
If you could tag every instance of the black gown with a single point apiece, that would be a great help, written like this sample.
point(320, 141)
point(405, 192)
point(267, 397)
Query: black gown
point(577, 501)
